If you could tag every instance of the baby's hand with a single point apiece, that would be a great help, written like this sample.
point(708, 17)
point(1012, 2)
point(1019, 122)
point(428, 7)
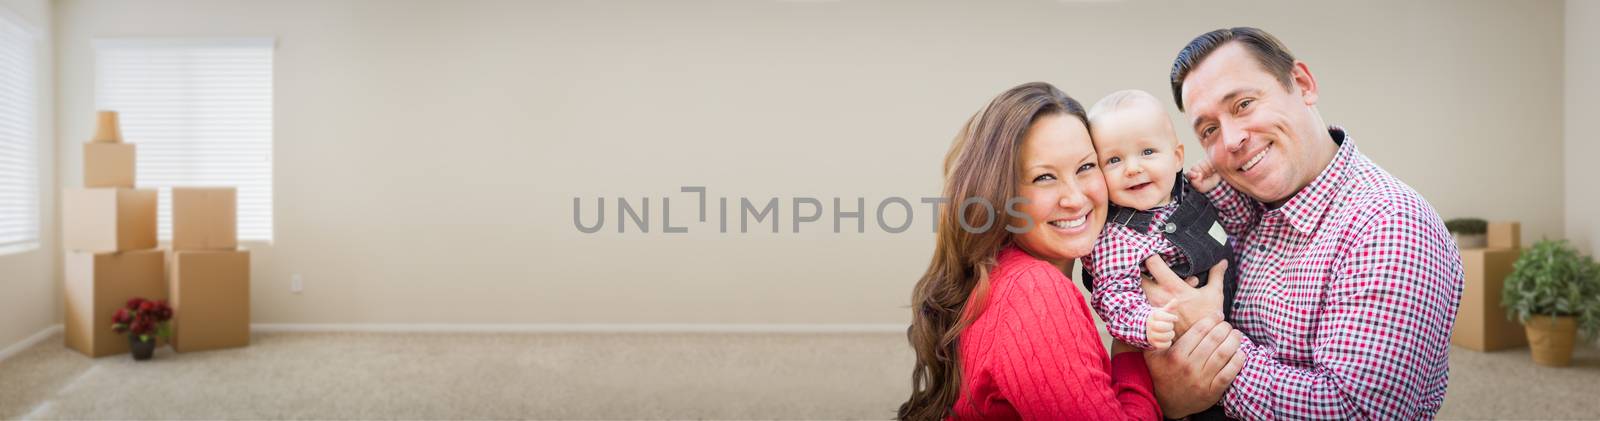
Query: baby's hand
point(1202, 177)
point(1160, 329)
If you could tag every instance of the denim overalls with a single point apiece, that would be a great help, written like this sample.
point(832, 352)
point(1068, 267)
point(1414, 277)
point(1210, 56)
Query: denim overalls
point(1188, 228)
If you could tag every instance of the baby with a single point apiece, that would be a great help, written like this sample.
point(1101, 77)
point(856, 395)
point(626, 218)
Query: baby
point(1154, 211)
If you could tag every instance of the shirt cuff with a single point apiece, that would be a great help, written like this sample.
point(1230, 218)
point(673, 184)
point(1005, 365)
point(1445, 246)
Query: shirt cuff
point(1222, 193)
point(1254, 379)
point(1131, 327)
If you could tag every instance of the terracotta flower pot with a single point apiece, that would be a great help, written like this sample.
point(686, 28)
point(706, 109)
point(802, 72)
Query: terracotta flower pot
point(1470, 241)
point(1551, 339)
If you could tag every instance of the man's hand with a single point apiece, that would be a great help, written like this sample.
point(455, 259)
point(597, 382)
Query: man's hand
point(1202, 177)
point(1164, 290)
point(1193, 374)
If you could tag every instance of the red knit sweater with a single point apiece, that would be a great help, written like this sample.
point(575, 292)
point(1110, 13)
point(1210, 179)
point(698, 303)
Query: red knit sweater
point(1034, 353)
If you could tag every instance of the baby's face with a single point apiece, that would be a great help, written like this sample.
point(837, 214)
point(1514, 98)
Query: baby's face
point(1139, 154)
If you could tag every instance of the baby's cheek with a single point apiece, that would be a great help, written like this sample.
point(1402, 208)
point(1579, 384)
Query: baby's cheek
point(1110, 180)
point(1163, 185)
point(1116, 196)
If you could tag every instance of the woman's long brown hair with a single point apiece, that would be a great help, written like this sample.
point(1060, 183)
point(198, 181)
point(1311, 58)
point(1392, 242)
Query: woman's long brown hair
point(982, 163)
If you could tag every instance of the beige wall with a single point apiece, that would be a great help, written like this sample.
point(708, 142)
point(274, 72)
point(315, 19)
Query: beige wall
point(427, 152)
point(1582, 144)
point(27, 288)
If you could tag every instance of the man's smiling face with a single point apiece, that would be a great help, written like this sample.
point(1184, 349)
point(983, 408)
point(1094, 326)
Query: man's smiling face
point(1263, 138)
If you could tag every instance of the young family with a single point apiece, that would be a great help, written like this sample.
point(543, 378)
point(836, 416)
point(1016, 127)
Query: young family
point(1332, 299)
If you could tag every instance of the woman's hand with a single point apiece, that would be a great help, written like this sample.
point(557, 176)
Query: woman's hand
point(1165, 290)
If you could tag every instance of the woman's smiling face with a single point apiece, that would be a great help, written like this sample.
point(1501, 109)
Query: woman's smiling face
point(1065, 191)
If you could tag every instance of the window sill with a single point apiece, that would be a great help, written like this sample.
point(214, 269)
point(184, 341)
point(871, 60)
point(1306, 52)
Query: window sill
point(18, 248)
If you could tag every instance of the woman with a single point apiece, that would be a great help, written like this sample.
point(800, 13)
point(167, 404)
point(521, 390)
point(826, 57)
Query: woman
point(999, 331)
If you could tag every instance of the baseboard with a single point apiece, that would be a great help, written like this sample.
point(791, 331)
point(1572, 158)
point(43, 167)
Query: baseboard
point(18, 347)
point(577, 328)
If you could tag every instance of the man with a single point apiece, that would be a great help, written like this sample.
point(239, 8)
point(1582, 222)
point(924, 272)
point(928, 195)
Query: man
point(1348, 281)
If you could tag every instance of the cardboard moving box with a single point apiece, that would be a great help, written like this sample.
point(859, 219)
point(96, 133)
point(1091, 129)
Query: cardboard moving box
point(210, 299)
point(1481, 323)
point(108, 165)
point(1504, 235)
point(204, 218)
point(97, 284)
point(98, 220)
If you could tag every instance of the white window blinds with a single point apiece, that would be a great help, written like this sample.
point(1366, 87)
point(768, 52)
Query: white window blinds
point(19, 139)
point(200, 111)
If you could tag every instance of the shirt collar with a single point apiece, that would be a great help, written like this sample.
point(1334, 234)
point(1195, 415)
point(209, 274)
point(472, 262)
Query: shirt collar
point(1304, 210)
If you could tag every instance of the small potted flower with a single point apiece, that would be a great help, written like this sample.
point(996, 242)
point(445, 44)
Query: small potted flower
point(1470, 233)
point(1555, 293)
point(144, 321)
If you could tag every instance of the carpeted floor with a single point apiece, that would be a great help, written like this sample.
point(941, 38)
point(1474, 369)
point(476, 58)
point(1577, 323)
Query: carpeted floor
point(596, 376)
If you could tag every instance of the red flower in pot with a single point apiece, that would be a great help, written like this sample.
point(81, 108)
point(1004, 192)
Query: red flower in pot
point(144, 321)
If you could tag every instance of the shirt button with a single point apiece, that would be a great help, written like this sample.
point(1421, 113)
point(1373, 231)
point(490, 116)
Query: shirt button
point(1170, 228)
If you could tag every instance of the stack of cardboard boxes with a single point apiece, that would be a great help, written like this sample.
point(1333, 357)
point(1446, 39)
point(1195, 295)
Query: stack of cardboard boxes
point(210, 281)
point(109, 232)
point(1481, 323)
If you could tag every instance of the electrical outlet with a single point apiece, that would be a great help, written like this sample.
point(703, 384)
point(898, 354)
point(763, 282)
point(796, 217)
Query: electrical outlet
point(297, 283)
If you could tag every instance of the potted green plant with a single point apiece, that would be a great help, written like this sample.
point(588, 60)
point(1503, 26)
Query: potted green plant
point(144, 321)
point(1554, 292)
point(1470, 233)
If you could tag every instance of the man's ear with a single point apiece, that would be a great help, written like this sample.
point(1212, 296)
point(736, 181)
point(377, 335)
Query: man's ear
point(1304, 83)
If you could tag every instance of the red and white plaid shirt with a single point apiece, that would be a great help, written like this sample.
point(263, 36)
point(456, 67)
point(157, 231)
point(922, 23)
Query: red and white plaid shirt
point(1347, 294)
point(1116, 264)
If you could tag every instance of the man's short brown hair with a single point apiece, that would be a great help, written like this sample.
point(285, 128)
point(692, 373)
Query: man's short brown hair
point(1269, 52)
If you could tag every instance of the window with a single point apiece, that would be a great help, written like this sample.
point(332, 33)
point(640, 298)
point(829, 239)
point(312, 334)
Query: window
point(19, 138)
point(201, 112)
